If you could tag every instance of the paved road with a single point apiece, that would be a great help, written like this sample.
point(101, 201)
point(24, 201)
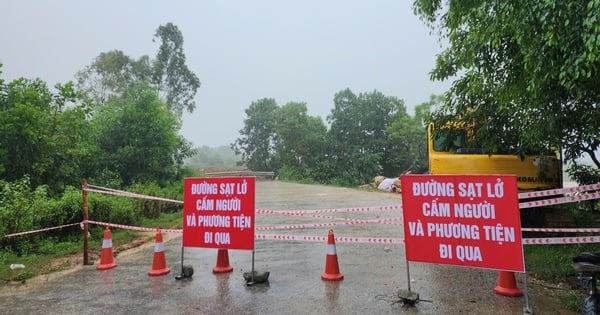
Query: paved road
point(373, 272)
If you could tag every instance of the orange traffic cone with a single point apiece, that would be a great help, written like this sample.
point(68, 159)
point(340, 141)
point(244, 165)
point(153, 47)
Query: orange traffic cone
point(507, 285)
point(222, 262)
point(159, 264)
point(106, 257)
point(332, 269)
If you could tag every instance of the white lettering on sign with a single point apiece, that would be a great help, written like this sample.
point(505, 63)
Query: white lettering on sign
point(226, 188)
point(499, 233)
point(461, 252)
point(214, 221)
point(233, 204)
point(222, 238)
point(468, 253)
point(204, 188)
point(242, 188)
point(205, 204)
point(497, 191)
point(482, 210)
point(433, 189)
point(446, 251)
point(190, 220)
point(453, 230)
point(435, 209)
point(416, 228)
point(242, 222)
point(469, 189)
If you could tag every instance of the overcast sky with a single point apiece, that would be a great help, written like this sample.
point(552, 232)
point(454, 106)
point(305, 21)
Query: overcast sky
point(242, 51)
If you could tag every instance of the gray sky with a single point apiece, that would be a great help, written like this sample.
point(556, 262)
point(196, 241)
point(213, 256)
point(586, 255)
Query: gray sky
point(242, 51)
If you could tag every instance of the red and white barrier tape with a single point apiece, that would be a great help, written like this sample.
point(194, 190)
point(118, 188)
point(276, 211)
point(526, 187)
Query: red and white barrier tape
point(114, 192)
point(384, 240)
point(135, 228)
point(556, 201)
point(558, 191)
point(304, 212)
point(310, 238)
point(301, 214)
point(561, 240)
point(344, 239)
point(328, 224)
point(41, 230)
point(562, 230)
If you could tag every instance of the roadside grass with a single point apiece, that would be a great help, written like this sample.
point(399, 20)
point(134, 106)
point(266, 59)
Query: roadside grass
point(553, 263)
point(53, 255)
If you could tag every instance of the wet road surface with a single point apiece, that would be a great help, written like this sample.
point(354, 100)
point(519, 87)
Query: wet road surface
point(373, 273)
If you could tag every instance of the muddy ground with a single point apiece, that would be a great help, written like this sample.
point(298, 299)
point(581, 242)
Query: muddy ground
point(373, 273)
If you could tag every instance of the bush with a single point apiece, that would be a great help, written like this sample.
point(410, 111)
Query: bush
point(111, 209)
point(20, 210)
point(585, 175)
point(173, 191)
point(67, 209)
point(287, 173)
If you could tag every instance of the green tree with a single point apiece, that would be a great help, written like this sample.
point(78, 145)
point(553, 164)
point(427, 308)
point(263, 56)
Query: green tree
point(112, 73)
point(299, 140)
point(137, 138)
point(409, 135)
point(41, 133)
point(257, 136)
point(529, 70)
point(358, 141)
point(170, 74)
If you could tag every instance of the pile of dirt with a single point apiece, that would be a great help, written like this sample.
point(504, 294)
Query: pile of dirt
point(387, 184)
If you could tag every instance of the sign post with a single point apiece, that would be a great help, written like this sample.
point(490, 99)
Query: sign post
point(463, 220)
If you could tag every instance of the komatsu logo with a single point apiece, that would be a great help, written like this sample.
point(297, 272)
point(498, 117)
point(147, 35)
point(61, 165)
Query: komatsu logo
point(524, 179)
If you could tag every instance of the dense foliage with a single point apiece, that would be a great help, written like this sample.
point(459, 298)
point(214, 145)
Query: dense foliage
point(370, 134)
point(136, 136)
point(529, 70)
point(118, 128)
point(41, 134)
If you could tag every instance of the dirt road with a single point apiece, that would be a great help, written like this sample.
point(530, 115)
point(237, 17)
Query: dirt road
point(373, 273)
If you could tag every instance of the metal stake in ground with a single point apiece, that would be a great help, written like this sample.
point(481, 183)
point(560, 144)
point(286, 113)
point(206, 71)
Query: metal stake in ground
point(180, 276)
point(254, 276)
point(186, 271)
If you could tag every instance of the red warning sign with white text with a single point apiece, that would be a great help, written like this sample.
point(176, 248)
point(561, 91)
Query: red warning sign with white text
point(218, 212)
point(463, 220)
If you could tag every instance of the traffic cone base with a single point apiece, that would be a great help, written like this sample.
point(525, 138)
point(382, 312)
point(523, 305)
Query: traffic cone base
point(102, 266)
point(106, 256)
point(159, 264)
point(507, 285)
point(332, 277)
point(332, 269)
point(222, 262)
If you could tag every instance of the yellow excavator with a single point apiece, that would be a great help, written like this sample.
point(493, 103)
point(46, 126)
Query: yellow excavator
point(533, 171)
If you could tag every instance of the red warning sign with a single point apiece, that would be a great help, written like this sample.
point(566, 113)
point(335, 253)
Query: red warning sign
point(465, 220)
point(219, 212)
